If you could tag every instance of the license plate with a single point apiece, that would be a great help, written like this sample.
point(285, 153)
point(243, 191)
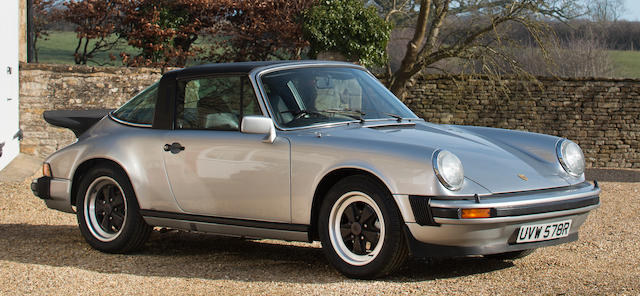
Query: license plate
point(543, 232)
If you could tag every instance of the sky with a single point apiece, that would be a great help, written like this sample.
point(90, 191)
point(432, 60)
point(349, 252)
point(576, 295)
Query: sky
point(632, 10)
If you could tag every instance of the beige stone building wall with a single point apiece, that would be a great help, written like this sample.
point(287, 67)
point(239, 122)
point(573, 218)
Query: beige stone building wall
point(602, 115)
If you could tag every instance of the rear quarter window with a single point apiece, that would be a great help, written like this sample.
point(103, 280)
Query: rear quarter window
point(141, 108)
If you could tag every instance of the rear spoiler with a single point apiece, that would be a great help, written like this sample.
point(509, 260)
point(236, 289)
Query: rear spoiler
point(78, 121)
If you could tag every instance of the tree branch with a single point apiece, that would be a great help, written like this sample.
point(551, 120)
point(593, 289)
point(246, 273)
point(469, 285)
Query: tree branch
point(408, 62)
point(441, 9)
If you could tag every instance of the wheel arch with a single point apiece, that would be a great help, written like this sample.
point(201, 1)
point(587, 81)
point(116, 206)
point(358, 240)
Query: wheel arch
point(84, 167)
point(325, 185)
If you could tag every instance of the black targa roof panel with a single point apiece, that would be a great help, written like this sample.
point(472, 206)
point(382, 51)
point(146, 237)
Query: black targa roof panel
point(223, 68)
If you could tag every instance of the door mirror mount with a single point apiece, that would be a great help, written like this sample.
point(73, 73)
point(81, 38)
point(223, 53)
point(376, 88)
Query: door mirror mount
point(259, 125)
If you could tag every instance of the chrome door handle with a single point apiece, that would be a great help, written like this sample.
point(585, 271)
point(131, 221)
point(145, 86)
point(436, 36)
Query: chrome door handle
point(174, 147)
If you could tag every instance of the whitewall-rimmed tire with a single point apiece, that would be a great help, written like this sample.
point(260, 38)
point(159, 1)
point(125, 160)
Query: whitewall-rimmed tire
point(355, 227)
point(108, 212)
point(360, 229)
point(105, 208)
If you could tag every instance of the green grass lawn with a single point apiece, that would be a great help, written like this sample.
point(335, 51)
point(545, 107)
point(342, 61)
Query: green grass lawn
point(626, 63)
point(60, 47)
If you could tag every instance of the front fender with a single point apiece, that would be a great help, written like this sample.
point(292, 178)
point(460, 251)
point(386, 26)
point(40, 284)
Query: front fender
point(404, 169)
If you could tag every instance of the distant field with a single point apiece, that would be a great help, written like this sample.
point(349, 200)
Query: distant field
point(60, 46)
point(626, 63)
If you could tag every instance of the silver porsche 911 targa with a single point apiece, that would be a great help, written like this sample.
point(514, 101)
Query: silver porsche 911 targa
point(308, 151)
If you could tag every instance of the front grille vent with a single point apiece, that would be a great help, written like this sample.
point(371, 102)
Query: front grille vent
point(421, 211)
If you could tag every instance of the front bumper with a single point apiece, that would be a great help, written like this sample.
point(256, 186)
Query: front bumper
point(55, 192)
point(436, 227)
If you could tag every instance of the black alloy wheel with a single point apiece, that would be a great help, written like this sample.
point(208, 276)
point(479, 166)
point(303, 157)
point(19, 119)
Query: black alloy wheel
point(361, 229)
point(108, 212)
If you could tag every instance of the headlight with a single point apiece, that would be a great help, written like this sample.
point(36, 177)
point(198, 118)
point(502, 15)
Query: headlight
point(448, 168)
point(570, 157)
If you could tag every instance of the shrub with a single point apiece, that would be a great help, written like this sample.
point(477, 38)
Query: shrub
point(347, 27)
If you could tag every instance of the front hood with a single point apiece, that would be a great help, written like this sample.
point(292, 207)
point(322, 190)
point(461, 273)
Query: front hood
point(499, 160)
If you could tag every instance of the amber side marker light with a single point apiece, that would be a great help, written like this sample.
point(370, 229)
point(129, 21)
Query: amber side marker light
point(46, 170)
point(475, 213)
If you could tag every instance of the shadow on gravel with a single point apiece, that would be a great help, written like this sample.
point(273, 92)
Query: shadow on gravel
point(189, 255)
point(443, 268)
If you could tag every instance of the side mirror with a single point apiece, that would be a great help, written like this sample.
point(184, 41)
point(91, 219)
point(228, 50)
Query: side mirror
point(259, 125)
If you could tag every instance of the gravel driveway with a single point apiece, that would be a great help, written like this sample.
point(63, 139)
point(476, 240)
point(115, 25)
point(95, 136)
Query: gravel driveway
point(42, 252)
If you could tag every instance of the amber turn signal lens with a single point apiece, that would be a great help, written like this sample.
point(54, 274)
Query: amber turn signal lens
point(475, 213)
point(46, 170)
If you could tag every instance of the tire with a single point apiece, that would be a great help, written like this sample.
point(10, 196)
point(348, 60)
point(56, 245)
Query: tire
point(510, 255)
point(360, 228)
point(103, 221)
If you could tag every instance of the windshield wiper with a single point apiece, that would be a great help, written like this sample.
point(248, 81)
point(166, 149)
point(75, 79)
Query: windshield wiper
point(355, 114)
point(300, 113)
point(396, 116)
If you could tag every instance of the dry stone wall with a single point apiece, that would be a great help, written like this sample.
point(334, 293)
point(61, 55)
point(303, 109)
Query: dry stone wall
point(59, 87)
point(602, 115)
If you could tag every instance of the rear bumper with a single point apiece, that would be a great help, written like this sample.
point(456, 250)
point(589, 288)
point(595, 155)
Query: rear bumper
point(40, 187)
point(437, 229)
point(55, 192)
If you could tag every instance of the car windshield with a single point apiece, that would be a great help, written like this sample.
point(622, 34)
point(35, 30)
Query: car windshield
point(318, 95)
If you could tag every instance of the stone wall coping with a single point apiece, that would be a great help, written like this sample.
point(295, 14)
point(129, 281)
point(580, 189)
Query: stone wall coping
point(516, 78)
point(83, 69)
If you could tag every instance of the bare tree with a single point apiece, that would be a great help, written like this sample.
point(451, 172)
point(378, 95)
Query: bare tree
point(585, 57)
point(576, 57)
point(471, 30)
point(401, 12)
point(605, 10)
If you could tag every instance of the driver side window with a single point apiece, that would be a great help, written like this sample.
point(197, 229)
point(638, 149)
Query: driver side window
point(215, 103)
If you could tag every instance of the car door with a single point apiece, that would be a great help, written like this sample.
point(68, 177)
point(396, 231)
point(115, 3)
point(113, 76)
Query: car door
point(213, 168)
